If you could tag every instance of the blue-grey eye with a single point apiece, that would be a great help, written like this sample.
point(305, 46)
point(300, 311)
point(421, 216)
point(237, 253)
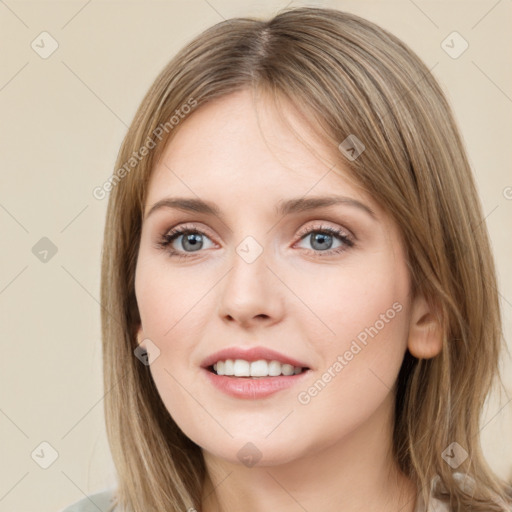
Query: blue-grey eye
point(193, 240)
point(321, 240)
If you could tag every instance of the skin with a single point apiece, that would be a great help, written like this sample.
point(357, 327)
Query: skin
point(333, 453)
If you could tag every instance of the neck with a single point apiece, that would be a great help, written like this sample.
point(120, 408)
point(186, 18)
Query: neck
point(357, 473)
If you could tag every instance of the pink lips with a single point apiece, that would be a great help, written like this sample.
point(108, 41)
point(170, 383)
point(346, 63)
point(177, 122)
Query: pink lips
point(248, 387)
point(250, 354)
point(252, 388)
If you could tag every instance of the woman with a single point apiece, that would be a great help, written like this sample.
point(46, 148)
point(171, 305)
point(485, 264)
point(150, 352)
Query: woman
point(331, 343)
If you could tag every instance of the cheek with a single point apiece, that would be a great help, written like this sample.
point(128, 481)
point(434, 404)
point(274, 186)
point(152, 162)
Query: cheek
point(345, 300)
point(174, 311)
point(361, 340)
point(360, 314)
point(169, 301)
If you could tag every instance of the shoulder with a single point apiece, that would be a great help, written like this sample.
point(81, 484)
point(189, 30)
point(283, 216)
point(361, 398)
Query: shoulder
point(102, 501)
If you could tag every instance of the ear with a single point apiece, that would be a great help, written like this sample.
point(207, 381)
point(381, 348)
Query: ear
point(141, 337)
point(425, 330)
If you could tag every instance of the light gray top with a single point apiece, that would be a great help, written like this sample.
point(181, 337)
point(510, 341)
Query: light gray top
point(98, 502)
point(101, 501)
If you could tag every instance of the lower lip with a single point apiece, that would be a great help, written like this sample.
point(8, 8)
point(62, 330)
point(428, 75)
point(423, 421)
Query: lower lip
point(245, 387)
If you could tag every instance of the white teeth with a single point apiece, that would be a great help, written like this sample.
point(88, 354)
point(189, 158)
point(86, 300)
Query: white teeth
point(260, 368)
point(229, 367)
point(274, 368)
point(287, 369)
point(242, 368)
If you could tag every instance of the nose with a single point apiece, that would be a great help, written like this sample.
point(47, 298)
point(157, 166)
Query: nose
point(251, 293)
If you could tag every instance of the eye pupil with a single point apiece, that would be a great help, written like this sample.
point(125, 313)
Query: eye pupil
point(194, 240)
point(321, 239)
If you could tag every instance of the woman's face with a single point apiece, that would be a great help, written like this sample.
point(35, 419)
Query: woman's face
point(254, 275)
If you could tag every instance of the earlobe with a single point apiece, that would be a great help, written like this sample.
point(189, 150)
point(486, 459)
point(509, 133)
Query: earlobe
point(425, 330)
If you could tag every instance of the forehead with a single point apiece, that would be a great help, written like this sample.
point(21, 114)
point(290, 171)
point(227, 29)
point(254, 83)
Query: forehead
point(241, 145)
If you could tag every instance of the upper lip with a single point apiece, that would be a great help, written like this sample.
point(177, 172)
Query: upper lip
point(250, 354)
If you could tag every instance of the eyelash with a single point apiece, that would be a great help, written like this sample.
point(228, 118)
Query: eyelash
point(169, 237)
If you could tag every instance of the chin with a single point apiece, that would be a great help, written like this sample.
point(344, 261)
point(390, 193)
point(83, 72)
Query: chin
point(254, 451)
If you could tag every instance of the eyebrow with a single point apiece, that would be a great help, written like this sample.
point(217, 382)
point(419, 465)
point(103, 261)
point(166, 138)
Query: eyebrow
point(283, 207)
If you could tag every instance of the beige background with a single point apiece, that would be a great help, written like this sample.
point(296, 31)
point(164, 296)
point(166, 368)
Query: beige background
point(62, 121)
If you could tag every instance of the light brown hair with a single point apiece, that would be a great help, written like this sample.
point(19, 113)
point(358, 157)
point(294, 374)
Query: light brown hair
point(348, 76)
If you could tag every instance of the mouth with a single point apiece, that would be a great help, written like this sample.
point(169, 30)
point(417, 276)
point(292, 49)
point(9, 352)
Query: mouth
point(253, 380)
